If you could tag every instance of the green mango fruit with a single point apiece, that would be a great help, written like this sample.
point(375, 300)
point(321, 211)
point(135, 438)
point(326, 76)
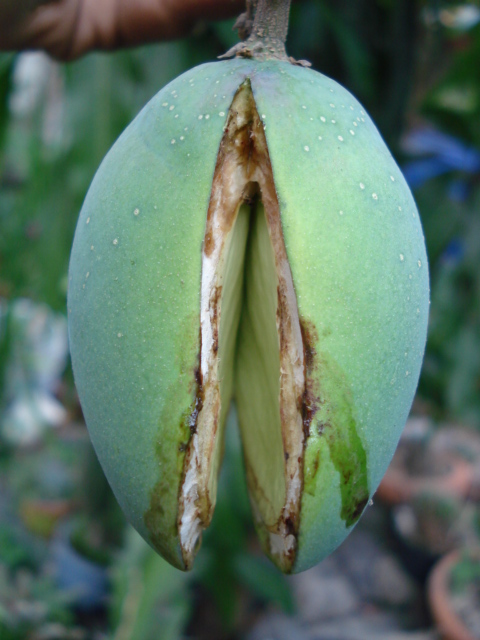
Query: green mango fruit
point(248, 235)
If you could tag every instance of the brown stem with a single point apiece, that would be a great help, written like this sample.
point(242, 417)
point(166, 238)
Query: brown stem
point(268, 33)
point(270, 26)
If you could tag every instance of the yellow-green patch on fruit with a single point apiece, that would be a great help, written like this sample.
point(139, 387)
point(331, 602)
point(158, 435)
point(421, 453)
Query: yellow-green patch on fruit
point(249, 234)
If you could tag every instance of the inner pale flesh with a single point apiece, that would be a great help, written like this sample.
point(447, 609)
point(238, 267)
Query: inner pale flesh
point(251, 346)
point(257, 369)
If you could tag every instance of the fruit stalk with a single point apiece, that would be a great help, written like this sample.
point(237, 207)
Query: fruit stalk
point(270, 26)
point(266, 39)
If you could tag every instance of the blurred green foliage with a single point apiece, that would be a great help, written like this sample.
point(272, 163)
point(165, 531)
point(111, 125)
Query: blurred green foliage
point(410, 63)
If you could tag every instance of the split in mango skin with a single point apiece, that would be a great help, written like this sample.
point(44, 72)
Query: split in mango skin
point(250, 236)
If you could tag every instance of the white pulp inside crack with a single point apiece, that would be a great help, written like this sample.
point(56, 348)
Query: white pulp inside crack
point(251, 346)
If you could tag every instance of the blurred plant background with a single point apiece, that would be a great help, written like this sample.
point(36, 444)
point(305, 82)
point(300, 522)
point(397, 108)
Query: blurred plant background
point(69, 565)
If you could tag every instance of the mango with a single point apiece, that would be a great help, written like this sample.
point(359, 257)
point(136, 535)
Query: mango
point(248, 236)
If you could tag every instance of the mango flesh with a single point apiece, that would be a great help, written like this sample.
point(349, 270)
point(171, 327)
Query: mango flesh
point(357, 258)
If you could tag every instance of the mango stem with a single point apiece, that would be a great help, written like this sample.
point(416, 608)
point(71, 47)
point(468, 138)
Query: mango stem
point(267, 35)
point(270, 26)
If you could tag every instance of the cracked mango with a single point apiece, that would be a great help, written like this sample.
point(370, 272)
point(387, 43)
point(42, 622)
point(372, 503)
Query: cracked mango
point(248, 236)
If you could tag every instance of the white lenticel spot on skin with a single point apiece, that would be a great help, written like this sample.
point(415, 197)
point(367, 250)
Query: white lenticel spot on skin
point(374, 196)
point(362, 186)
point(306, 148)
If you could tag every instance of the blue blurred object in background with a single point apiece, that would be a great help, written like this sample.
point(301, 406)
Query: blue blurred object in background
point(445, 154)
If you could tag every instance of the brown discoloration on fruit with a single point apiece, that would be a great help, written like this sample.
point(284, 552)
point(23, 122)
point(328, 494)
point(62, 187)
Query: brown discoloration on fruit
point(208, 243)
point(198, 486)
point(203, 502)
point(316, 464)
point(215, 314)
point(260, 184)
point(243, 174)
point(234, 152)
point(329, 409)
point(203, 506)
point(310, 339)
point(198, 404)
point(160, 518)
point(310, 398)
point(356, 508)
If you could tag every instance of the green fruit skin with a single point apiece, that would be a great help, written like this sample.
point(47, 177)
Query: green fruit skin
point(356, 250)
